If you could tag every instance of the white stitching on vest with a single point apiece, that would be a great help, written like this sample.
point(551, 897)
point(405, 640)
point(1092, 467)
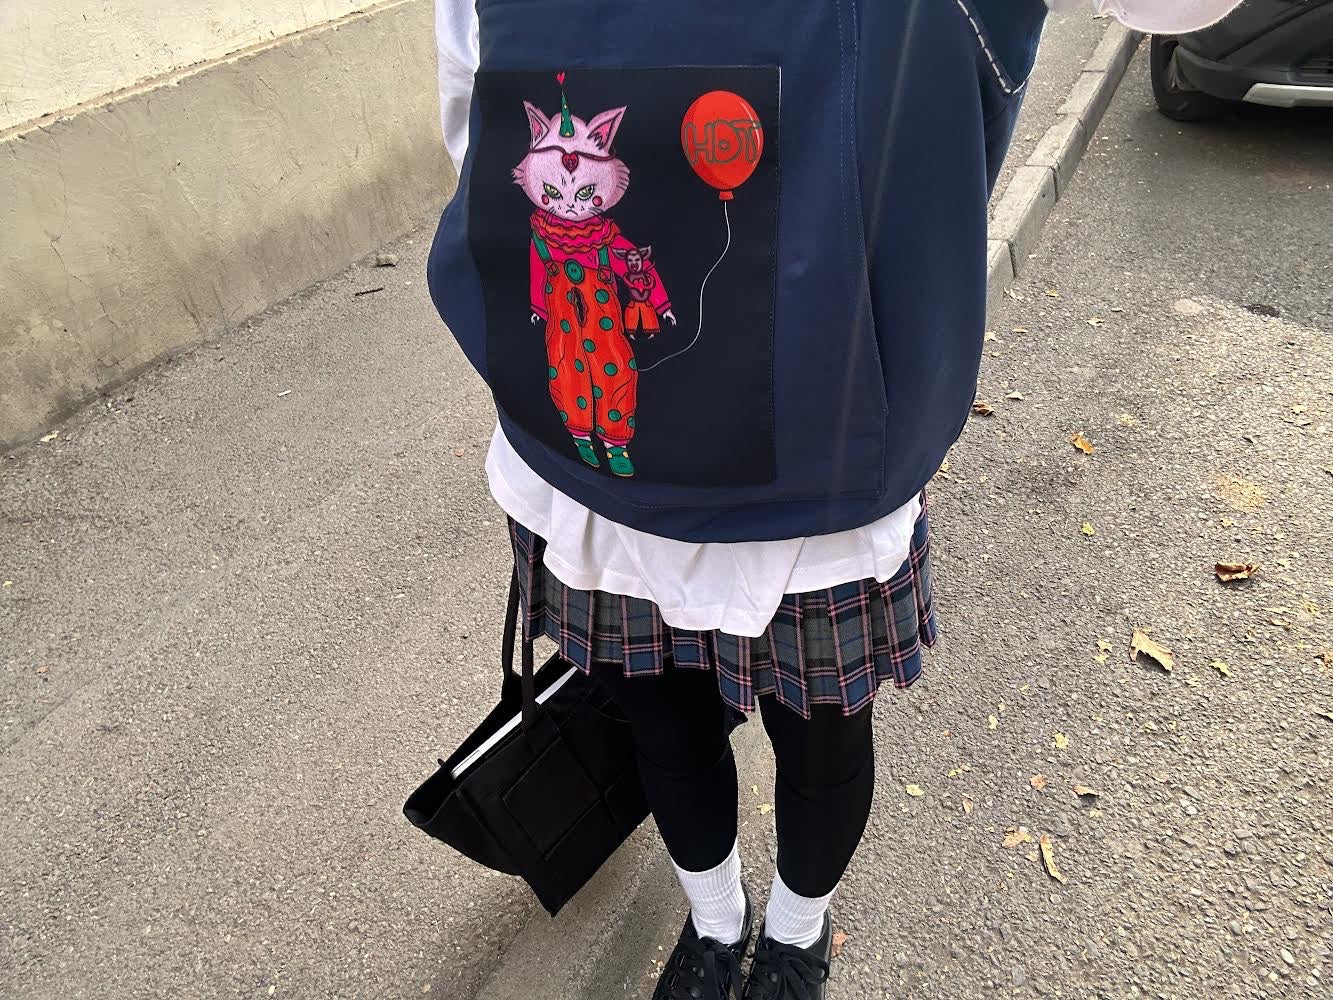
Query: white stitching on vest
point(1000, 76)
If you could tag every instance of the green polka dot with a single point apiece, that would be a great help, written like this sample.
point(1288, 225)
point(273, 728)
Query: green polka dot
point(631, 422)
point(549, 288)
point(574, 271)
point(610, 369)
point(601, 429)
point(613, 416)
point(551, 372)
point(564, 326)
point(603, 296)
point(578, 365)
point(633, 365)
point(606, 322)
point(564, 416)
point(583, 403)
point(589, 346)
point(597, 392)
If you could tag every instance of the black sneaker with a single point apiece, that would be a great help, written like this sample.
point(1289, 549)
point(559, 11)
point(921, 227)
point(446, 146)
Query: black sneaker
point(704, 969)
point(785, 972)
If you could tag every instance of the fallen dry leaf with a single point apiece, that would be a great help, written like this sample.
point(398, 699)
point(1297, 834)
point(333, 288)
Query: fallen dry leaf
point(48, 438)
point(1037, 781)
point(1060, 741)
point(1096, 321)
point(916, 791)
point(1143, 643)
point(839, 939)
point(989, 336)
point(1082, 444)
point(967, 805)
point(1104, 645)
point(982, 408)
point(1221, 668)
point(1048, 857)
point(1088, 529)
point(1015, 396)
point(1125, 420)
point(992, 722)
point(1014, 836)
point(960, 769)
point(1051, 293)
point(1084, 792)
point(765, 808)
point(1231, 572)
point(1020, 329)
point(1102, 657)
point(43, 669)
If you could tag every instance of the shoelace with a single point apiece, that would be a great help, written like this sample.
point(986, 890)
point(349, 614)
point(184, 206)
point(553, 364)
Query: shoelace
point(701, 969)
point(785, 972)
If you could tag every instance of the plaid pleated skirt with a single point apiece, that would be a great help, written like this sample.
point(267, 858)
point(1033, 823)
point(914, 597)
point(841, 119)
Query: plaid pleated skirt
point(827, 647)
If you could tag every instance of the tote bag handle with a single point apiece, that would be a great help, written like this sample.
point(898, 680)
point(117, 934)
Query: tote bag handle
point(527, 679)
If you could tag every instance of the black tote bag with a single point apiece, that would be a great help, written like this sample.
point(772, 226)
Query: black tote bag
point(552, 798)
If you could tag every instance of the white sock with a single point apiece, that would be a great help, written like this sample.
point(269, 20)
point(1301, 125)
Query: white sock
point(717, 902)
point(792, 919)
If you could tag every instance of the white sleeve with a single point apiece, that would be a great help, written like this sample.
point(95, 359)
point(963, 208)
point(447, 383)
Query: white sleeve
point(1166, 17)
point(456, 40)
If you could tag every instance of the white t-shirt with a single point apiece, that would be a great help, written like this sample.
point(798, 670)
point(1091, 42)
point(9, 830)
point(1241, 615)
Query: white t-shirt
point(1162, 17)
point(733, 586)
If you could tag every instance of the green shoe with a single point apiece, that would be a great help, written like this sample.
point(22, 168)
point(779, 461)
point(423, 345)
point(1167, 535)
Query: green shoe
point(619, 460)
point(588, 453)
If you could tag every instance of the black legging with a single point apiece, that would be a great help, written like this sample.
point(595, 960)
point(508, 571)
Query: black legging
point(825, 779)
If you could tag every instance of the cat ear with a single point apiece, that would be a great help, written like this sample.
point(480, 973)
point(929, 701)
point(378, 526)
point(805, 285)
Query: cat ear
point(603, 128)
point(618, 252)
point(646, 253)
point(537, 122)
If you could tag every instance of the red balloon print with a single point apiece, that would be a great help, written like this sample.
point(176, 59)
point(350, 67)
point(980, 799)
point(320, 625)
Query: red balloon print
point(723, 139)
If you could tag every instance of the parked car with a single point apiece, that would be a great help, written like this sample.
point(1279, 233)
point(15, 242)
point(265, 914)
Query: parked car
point(1275, 52)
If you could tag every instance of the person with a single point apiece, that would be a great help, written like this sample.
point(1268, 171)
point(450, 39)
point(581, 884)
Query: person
point(767, 544)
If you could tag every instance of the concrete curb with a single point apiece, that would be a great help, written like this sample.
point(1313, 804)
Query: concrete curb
point(591, 945)
point(1022, 210)
point(158, 217)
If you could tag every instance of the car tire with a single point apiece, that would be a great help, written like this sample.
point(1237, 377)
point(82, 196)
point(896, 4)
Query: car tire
point(1175, 97)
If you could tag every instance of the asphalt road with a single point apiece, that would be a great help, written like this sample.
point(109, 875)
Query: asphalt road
point(247, 599)
point(1204, 256)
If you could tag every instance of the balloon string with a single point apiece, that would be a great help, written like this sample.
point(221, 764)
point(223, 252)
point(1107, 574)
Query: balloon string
point(727, 216)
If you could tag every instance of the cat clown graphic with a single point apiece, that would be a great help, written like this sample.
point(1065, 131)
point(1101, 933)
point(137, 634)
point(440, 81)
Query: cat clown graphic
point(579, 257)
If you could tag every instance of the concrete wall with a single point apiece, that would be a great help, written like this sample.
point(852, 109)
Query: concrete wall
point(141, 225)
point(58, 53)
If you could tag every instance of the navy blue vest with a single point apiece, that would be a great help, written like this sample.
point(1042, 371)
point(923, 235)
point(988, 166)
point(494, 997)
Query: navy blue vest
point(723, 264)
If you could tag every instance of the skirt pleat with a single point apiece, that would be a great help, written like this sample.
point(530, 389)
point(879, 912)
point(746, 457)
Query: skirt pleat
point(827, 647)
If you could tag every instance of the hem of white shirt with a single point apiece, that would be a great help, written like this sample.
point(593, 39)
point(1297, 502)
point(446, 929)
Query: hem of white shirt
point(888, 560)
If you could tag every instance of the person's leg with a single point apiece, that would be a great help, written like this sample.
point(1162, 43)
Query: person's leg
point(689, 776)
point(825, 784)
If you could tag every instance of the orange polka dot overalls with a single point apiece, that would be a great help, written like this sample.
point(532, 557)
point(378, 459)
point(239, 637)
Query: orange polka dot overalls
point(591, 367)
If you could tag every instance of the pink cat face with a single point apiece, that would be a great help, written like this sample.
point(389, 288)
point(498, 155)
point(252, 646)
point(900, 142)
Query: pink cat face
point(573, 177)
